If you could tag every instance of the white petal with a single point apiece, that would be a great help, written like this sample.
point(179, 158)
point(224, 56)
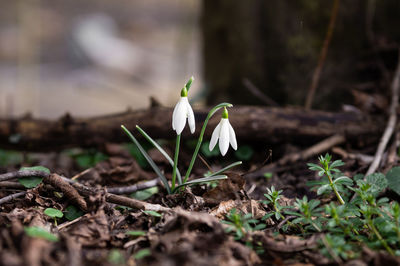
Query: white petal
point(214, 137)
point(180, 116)
point(174, 114)
point(224, 136)
point(190, 115)
point(232, 137)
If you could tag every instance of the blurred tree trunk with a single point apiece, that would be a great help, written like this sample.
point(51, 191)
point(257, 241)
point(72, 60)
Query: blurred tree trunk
point(275, 44)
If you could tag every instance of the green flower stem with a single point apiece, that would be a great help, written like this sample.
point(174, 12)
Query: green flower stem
point(200, 140)
point(328, 174)
point(378, 235)
point(178, 141)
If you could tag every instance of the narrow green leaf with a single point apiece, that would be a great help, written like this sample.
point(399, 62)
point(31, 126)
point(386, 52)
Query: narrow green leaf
point(161, 150)
point(202, 180)
point(144, 194)
point(136, 233)
point(149, 160)
point(343, 180)
point(322, 189)
point(153, 213)
point(225, 169)
point(142, 254)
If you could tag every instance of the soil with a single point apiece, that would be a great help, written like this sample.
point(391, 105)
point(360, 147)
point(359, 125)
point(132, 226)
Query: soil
point(180, 229)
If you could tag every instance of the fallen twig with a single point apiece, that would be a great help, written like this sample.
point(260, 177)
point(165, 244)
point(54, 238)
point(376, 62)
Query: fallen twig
point(11, 184)
point(287, 218)
point(133, 188)
point(256, 92)
point(391, 122)
point(12, 196)
point(62, 183)
point(19, 174)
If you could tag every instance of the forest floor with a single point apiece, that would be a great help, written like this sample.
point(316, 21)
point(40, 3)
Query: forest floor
point(226, 222)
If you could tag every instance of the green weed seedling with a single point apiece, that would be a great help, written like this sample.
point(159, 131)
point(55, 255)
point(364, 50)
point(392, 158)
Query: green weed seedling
point(273, 196)
point(241, 224)
point(224, 134)
point(54, 213)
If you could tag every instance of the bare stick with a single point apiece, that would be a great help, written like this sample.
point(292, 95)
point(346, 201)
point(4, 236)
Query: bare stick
point(258, 93)
point(83, 190)
point(391, 122)
point(19, 174)
point(133, 188)
point(322, 56)
point(11, 197)
point(11, 184)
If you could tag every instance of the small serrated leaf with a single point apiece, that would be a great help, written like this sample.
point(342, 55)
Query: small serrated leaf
point(377, 181)
point(393, 178)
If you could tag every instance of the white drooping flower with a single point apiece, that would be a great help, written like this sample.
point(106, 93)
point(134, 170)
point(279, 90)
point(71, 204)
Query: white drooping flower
point(183, 111)
point(224, 133)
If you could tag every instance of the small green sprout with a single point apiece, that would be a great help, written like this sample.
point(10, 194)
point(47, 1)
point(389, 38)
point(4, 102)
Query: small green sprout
point(53, 213)
point(273, 196)
point(308, 213)
point(241, 224)
point(326, 168)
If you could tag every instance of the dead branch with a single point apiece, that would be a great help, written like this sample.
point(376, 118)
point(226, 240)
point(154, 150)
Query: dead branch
point(54, 180)
point(133, 188)
point(258, 93)
point(266, 124)
point(391, 122)
point(12, 197)
point(19, 174)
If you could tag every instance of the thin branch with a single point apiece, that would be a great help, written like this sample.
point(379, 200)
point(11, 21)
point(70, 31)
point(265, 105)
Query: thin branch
point(258, 93)
point(87, 191)
point(391, 122)
point(322, 56)
point(19, 174)
point(134, 188)
point(12, 197)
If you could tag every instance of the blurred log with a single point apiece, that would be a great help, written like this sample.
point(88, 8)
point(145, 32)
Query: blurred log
point(268, 125)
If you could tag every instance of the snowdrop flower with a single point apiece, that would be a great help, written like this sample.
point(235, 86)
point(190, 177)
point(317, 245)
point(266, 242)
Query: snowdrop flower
point(225, 133)
point(183, 111)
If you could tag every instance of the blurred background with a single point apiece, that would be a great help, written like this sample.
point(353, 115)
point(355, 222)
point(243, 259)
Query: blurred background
point(98, 57)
